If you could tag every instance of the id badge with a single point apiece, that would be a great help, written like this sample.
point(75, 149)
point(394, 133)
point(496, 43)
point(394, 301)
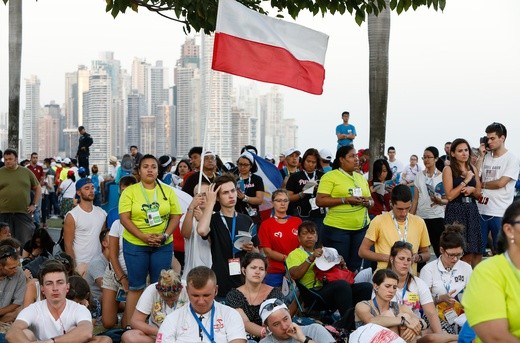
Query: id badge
point(450, 315)
point(312, 202)
point(154, 217)
point(413, 297)
point(234, 266)
point(357, 192)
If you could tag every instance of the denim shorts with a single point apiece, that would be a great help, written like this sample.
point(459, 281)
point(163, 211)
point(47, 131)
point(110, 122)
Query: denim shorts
point(143, 260)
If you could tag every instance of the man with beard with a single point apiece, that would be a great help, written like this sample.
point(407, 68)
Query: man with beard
point(82, 227)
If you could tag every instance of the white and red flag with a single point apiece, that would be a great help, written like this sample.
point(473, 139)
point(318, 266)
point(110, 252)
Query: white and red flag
point(262, 48)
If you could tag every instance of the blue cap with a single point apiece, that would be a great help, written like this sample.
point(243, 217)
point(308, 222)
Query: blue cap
point(82, 182)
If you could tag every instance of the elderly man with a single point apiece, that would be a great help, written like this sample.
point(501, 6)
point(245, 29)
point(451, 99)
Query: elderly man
point(276, 317)
point(16, 207)
point(204, 319)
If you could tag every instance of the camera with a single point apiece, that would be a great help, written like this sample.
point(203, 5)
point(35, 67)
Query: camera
point(484, 140)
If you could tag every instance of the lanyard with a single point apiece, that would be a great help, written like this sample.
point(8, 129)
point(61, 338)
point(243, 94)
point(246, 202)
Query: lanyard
point(308, 253)
point(210, 335)
point(313, 175)
point(377, 307)
point(515, 270)
point(447, 285)
point(233, 225)
point(349, 176)
point(404, 291)
point(146, 196)
point(401, 237)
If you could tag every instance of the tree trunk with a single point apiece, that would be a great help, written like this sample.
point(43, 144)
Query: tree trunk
point(15, 63)
point(378, 42)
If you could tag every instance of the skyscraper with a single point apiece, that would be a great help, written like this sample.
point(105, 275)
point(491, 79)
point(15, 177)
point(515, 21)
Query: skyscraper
point(49, 123)
point(187, 98)
point(271, 115)
point(31, 115)
point(158, 86)
point(136, 109)
point(216, 88)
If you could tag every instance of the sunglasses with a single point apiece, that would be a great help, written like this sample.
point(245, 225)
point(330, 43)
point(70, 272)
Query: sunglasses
point(10, 252)
point(403, 244)
point(270, 306)
point(168, 290)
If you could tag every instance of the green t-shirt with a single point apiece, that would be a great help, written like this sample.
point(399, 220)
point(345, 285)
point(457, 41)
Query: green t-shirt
point(493, 292)
point(15, 189)
point(338, 184)
point(133, 200)
point(294, 259)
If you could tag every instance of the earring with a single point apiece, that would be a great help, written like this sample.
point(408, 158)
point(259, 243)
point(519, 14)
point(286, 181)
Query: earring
point(375, 290)
point(512, 239)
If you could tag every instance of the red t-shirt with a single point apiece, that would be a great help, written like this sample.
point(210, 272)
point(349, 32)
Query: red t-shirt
point(282, 238)
point(37, 171)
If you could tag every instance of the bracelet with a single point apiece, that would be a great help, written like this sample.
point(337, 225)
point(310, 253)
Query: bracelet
point(308, 261)
point(189, 210)
point(246, 198)
point(403, 320)
point(343, 201)
point(122, 277)
point(307, 339)
point(463, 183)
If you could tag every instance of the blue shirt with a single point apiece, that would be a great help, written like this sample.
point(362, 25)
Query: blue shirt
point(345, 129)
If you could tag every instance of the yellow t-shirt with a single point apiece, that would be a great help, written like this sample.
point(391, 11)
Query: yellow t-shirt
point(338, 184)
point(294, 259)
point(383, 233)
point(134, 201)
point(493, 292)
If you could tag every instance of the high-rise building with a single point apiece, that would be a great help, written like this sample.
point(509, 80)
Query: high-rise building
point(76, 85)
point(141, 80)
point(148, 128)
point(216, 91)
point(187, 98)
point(241, 126)
point(164, 131)
point(271, 115)
point(158, 87)
point(290, 133)
point(31, 114)
point(247, 98)
point(136, 109)
point(98, 115)
point(49, 123)
point(3, 131)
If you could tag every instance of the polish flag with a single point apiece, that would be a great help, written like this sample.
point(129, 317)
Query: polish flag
point(262, 48)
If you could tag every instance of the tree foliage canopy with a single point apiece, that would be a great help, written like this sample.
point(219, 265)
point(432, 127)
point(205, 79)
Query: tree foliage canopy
point(202, 14)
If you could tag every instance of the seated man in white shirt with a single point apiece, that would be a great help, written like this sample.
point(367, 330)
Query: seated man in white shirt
point(54, 319)
point(275, 315)
point(203, 319)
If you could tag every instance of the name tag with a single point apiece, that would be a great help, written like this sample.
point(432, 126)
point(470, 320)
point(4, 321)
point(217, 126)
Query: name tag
point(154, 217)
point(234, 266)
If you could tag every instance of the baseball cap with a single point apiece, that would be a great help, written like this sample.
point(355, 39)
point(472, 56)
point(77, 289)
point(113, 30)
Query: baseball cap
point(81, 170)
point(58, 159)
point(70, 172)
point(66, 160)
point(82, 182)
point(291, 151)
point(269, 157)
point(208, 153)
point(326, 155)
point(112, 159)
point(270, 306)
point(328, 259)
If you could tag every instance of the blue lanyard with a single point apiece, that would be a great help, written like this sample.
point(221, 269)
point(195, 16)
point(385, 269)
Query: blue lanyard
point(404, 291)
point(377, 307)
point(211, 335)
point(233, 227)
point(447, 285)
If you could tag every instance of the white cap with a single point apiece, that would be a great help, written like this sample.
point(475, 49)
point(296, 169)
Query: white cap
point(208, 153)
point(326, 155)
point(291, 151)
point(328, 259)
point(66, 160)
point(269, 306)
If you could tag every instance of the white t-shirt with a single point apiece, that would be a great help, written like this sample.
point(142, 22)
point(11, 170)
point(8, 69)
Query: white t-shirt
point(42, 323)
point(180, 326)
point(396, 167)
point(426, 186)
point(86, 243)
point(197, 251)
point(116, 230)
point(68, 188)
point(151, 303)
point(417, 295)
point(494, 169)
point(410, 173)
point(440, 281)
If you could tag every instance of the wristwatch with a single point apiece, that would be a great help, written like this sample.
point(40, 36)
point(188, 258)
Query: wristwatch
point(307, 339)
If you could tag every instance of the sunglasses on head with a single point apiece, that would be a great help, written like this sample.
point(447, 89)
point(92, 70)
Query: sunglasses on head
point(403, 244)
point(270, 306)
point(168, 290)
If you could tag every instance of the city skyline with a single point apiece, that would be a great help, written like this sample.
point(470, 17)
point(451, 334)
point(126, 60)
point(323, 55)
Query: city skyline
point(143, 108)
point(451, 73)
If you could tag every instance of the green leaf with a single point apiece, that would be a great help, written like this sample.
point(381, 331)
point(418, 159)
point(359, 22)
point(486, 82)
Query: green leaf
point(360, 17)
point(393, 4)
point(400, 6)
point(442, 4)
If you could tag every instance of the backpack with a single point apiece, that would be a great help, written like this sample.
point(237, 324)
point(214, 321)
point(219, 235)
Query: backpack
point(333, 274)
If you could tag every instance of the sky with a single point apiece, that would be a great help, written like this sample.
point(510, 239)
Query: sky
point(451, 73)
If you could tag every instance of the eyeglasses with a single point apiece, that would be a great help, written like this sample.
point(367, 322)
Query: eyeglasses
point(457, 256)
point(351, 156)
point(281, 200)
point(270, 306)
point(209, 158)
point(515, 222)
point(10, 252)
point(427, 157)
point(244, 165)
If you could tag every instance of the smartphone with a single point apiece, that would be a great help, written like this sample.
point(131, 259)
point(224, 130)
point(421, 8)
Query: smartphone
point(121, 295)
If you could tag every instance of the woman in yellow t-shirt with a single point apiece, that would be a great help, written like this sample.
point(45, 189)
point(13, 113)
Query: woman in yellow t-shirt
point(149, 212)
point(347, 195)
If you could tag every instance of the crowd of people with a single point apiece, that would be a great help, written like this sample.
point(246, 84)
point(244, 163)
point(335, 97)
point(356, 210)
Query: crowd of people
point(202, 250)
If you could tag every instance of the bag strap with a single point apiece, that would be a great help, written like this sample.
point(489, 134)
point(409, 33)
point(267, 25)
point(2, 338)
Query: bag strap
point(67, 188)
